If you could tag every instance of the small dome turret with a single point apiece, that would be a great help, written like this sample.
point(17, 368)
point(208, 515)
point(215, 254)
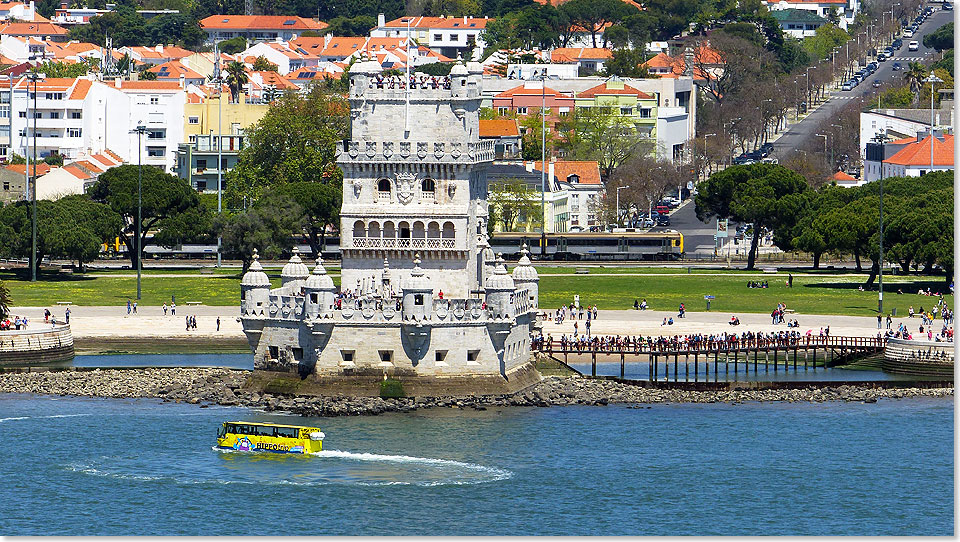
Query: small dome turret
point(500, 280)
point(524, 271)
point(416, 280)
point(319, 279)
point(294, 270)
point(255, 277)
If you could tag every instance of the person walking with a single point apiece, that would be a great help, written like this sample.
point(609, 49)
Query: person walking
point(164, 308)
point(187, 321)
point(129, 307)
point(218, 323)
point(66, 314)
point(889, 321)
point(134, 307)
point(173, 308)
point(879, 321)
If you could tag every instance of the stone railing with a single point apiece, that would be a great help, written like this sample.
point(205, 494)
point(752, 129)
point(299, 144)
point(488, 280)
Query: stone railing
point(416, 151)
point(43, 345)
point(404, 244)
point(919, 358)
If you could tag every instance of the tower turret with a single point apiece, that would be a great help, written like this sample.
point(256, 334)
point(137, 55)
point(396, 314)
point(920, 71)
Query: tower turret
point(320, 293)
point(526, 279)
point(254, 289)
point(295, 273)
point(500, 292)
point(417, 294)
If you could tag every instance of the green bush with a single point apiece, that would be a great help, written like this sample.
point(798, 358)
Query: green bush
point(391, 389)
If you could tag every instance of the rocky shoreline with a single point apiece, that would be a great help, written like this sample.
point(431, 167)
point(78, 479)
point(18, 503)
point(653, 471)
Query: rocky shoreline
point(205, 387)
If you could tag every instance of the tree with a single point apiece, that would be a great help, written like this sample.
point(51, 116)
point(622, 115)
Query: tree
point(64, 70)
point(941, 39)
point(513, 205)
point(166, 199)
point(73, 227)
point(267, 226)
point(824, 40)
point(5, 301)
point(649, 180)
point(236, 78)
point(602, 134)
point(754, 193)
point(351, 26)
point(125, 27)
point(915, 74)
point(261, 64)
point(176, 28)
point(320, 204)
point(53, 159)
point(233, 46)
point(627, 63)
point(593, 15)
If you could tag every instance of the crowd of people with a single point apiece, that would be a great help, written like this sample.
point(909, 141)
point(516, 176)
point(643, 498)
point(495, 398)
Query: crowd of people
point(693, 341)
point(18, 323)
point(575, 312)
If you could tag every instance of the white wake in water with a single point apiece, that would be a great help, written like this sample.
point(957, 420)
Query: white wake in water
point(14, 418)
point(409, 459)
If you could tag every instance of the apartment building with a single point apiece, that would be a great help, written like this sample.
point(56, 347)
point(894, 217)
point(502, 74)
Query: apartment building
point(256, 28)
point(197, 160)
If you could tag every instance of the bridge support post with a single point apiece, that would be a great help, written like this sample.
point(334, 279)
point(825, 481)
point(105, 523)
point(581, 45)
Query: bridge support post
point(622, 361)
point(716, 364)
point(794, 358)
point(814, 358)
point(676, 364)
point(593, 363)
point(755, 354)
point(774, 358)
point(696, 367)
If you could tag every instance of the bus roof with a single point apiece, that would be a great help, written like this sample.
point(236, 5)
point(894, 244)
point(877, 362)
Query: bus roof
point(263, 424)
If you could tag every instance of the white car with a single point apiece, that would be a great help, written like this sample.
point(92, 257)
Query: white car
point(908, 33)
point(914, 46)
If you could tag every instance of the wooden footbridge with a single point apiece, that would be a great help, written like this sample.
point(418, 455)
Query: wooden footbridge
point(805, 352)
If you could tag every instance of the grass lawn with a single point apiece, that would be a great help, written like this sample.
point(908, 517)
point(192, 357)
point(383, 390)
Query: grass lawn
point(810, 294)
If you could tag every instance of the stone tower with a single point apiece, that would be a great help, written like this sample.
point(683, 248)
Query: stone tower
point(414, 179)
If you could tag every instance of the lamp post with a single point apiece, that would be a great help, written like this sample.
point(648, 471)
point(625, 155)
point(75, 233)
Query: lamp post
point(933, 80)
point(880, 138)
point(217, 77)
point(705, 145)
point(543, 164)
point(619, 188)
point(140, 130)
point(825, 149)
point(807, 75)
point(34, 76)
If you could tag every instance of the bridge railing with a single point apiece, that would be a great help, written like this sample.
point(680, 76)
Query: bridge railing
point(629, 345)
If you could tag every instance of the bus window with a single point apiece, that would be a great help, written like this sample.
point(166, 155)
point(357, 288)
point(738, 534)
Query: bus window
point(288, 432)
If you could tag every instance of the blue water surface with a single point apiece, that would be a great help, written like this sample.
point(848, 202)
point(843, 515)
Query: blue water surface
point(84, 466)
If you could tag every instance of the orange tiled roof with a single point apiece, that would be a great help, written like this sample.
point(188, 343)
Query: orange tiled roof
point(587, 170)
point(842, 176)
point(173, 70)
point(261, 22)
point(918, 154)
point(602, 90)
point(115, 156)
point(477, 23)
point(89, 166)
point(567, 54)
point(275, 79)
point(77, 172)
point(38, 169)
point(150, 85)
point(81, 89)
point(522, 90)
point(33, 29)
point(499, 128)
point(556, 3)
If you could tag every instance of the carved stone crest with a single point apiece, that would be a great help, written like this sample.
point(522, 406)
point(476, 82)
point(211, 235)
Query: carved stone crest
point(438, 150)
point(455, 150)
point(357, 187)
point(405, 186)
point(421, 149)
point(404, 149)
point(387, 149)
point(354, 149)
point(451, 189)
point(371, 148)
point(472, 150)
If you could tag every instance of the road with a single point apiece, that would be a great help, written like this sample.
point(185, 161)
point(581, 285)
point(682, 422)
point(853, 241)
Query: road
point(804, 129)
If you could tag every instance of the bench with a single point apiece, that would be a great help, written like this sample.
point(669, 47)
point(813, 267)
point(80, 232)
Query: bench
point(789, 311)
point(582, 271)
point(62, 303)
point(194, 303)
point(206, 271)
point(769, 269)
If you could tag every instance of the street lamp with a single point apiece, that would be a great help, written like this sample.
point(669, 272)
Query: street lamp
point(880, 138)
point(933, 79)
point(140, 130)
point(705, 146)
point(543, 164)
point(807, 75)
point(619, 188)
point(34, 76)
point(218, 78)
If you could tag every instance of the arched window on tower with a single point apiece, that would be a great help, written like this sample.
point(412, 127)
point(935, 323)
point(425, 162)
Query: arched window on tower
point(383, 190)
point(428, 189)
point(359, 230)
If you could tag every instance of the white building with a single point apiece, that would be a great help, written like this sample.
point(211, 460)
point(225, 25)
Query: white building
point(846, 10)
point(449, 36)
point(899, 126)
point(255, 28)
point(285, 55)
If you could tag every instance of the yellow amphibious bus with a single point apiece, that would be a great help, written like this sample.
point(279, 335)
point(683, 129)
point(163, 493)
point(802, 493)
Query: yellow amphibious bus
point(269, 437)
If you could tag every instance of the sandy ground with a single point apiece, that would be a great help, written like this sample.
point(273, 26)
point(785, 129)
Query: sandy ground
point(150, 322)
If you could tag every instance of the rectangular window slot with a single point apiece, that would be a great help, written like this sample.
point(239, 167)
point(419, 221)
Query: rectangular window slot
point(274, 352)
point(298, 354)
point(386, 355)
point(472, 355)
point(441, 355)
point(347, 355)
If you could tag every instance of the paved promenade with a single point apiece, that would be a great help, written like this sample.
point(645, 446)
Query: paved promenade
point(150, 323)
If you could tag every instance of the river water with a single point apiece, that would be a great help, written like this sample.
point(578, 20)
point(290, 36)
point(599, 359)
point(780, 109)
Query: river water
point(84, 466)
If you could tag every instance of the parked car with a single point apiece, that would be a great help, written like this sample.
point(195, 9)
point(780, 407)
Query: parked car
point(914, 46)
point(947, 6)
point(872, 67)
point(882, 56)
point(897, 43)
point(663, 220)
point(766, 149)
point(908, 33)
point(847, 86)
point(743, 160)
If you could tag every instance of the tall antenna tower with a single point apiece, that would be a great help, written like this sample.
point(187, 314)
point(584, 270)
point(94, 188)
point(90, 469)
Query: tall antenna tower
point(248, 7)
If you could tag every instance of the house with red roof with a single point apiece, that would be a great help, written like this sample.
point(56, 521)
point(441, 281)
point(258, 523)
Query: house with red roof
point(155, 55)
point(285, 54)
point(45, 31)
point(635, 106)
point(528, 98)
point(575, 192)
point(589, 60)
point(927, 153)
point(505, 134)
point(449, 36)
point(256, 28)
point(74, 177)
point(176, 71)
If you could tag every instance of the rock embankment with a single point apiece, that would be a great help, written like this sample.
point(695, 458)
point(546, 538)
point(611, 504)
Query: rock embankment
point(225, 387)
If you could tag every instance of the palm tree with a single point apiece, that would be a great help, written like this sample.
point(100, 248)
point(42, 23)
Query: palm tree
point(915, 75)
point(236, 78)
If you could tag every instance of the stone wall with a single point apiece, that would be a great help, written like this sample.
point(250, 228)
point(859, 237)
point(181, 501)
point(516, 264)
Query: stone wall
point(920, 358)
point(27, 347)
